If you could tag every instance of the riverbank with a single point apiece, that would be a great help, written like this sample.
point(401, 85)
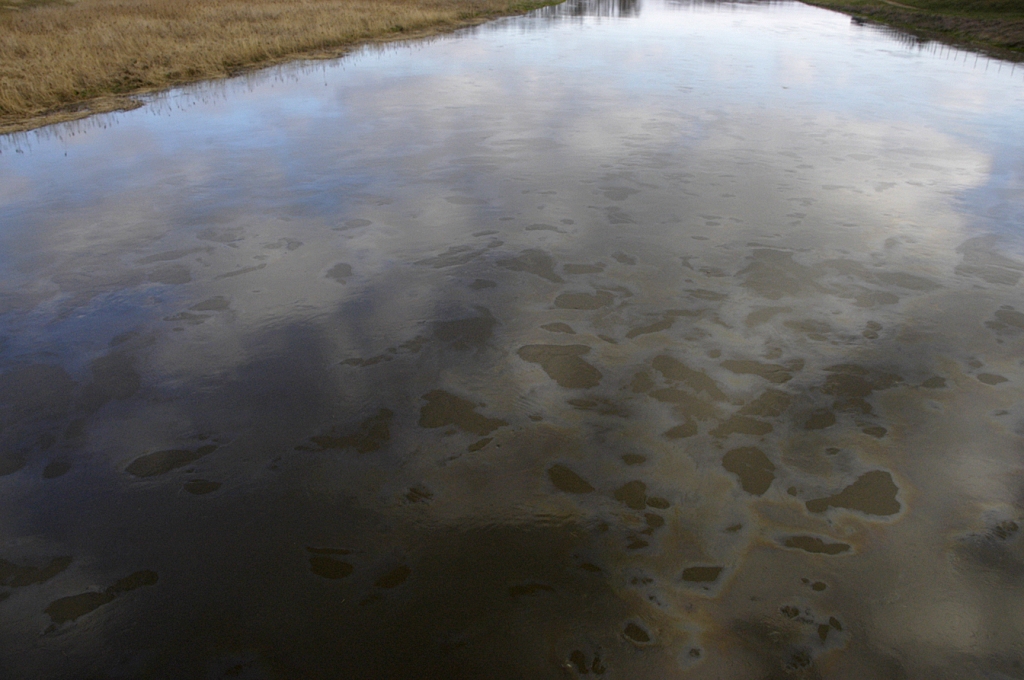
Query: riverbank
point(61, 61)
point(992, 26)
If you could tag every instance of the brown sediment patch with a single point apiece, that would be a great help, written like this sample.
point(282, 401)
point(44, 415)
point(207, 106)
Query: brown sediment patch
point(773, 274)
point(327, 551)
point(579, 659)
point(991, 274)
point(813, 544)
point(169, 255)
point(934, 383)
point(201, 487)
point(354, 223)
point(874, 298)
point(474, 331)
point(339, 272)
point(566, 480)
point(742, 425)
point(356, 361)
point(482, 284)
point(114, 377)
point(559, 327)
point(655, 327)
point(623, 258)
point(479, 444)
point(991, 378)
point(689, 405)
point(654, 521)
point(697, 380)
point(709, 295)
point(187, 317)
point(222, 234)
point(562, 363)
point(908, 281)
point(752, 466)
point(1005, 529)
point(584, 301)
point(217, 303)
point(599, 405)
point(454, 256)
point(1010, 317)
point(687, 429)
point(70, 608)
point(618, 193)
point(853, 405)
point(139, 579)
point(636, 634)
point(372, 435)
point(394, 578)
point(876, 431)
point(418, 494)
point(633, 459)
point(322, 564)
point(770, 372)
point(56, 468)
point(443, 408)
point(171, 275)
point(641, 383)
point(820, 419)
point(874, 493)
point(11, 463)
point(543, 227)
point(981, 256)
point(764, 314)
point(771, 404)
point(535, 262)
point(582, 268)
point(16, 577)
point(701, 574)
point(243, 270)
point(789, 611)
point(636, 543)
point(161, 462)
point(658, 503)
point(632, 494)
point(815, 330)
point(856, 382)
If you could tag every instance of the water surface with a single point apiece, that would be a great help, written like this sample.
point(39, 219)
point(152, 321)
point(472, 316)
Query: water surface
point(636, 341)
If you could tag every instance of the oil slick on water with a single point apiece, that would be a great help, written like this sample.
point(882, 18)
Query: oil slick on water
point(637, 343)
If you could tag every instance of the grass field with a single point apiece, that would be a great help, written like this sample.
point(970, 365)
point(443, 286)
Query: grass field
point(64, 60)
point(994, 26)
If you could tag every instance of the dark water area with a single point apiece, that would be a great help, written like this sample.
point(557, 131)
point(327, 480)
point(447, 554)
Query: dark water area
point(622, 340)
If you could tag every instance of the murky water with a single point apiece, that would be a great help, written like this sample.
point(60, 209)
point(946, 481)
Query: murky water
point(625, 341)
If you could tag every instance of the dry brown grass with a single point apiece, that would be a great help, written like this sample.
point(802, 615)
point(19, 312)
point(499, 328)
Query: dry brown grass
point(60, 60)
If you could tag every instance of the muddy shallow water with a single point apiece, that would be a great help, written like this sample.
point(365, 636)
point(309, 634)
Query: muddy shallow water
point(618, 340)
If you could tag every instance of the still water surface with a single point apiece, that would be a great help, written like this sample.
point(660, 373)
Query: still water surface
point(625, 341)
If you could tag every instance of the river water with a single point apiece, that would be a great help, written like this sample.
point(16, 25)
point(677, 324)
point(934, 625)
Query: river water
point(638, 341)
